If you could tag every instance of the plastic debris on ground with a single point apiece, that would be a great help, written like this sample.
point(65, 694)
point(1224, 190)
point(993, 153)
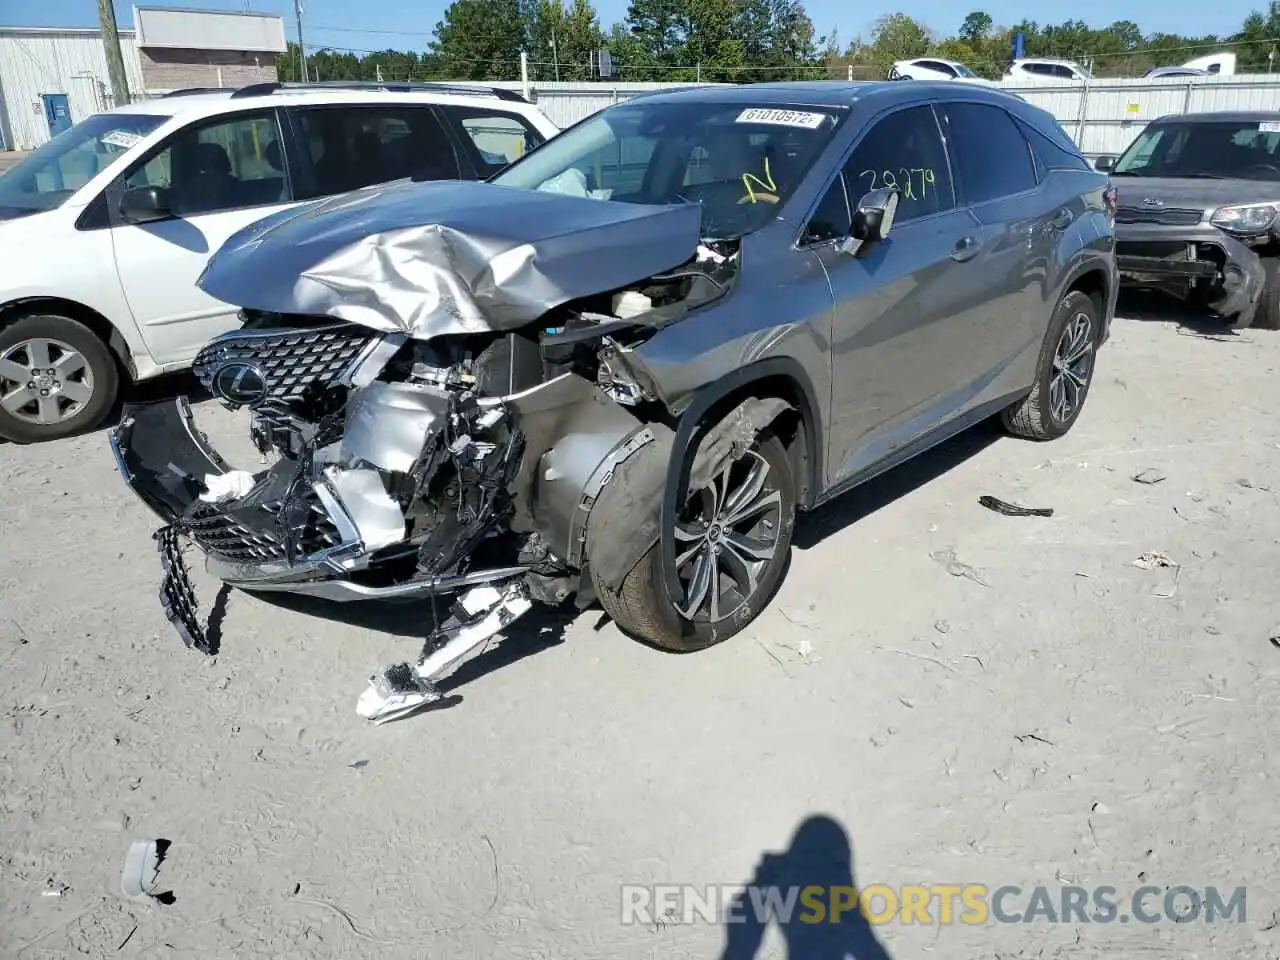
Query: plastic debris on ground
point(140, 878)
point(1154, 560)
point(1149, 476)
point(1012, 509)
point(954, 567)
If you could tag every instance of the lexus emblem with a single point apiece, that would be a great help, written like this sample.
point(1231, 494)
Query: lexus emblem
point(240, 384)
point(1152, 202)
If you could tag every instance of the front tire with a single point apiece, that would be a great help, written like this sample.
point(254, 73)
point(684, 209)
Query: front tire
point(57, 379)
point(1064, 372)
point(733, 540)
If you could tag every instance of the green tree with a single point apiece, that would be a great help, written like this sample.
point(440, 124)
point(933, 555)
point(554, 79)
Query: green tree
point(481, 39)
point(976, 26)
point(897, 37)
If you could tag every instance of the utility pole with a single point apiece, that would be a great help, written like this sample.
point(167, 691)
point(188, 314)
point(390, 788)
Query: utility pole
point(302, 51)
point(115, 59)
point(555, 54)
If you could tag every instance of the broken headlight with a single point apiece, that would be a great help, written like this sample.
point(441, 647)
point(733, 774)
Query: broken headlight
point(1246, 218)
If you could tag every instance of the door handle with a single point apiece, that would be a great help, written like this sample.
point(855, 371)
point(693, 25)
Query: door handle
point(966, 248)
point(1062, 219)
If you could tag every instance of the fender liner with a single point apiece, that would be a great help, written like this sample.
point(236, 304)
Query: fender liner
point(626, 519)
point(753, 415)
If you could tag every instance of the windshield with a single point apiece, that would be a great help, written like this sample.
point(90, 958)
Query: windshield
point(1216, 149)
point(738, 161)
point(963, 70)
point(55, 171)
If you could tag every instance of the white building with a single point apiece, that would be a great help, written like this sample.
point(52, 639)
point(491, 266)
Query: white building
point(52, 77)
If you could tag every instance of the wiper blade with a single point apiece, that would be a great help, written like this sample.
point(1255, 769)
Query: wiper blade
point(1200, 176)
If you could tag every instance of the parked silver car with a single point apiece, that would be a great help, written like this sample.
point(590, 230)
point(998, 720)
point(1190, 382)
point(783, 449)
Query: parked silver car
point(620, 368)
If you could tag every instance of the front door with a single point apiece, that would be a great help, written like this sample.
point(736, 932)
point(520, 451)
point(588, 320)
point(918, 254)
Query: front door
point(897, 347)
point(221, 176)
point(57, 112)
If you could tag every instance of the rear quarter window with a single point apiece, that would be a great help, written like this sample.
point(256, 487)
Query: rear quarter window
point(988, 148)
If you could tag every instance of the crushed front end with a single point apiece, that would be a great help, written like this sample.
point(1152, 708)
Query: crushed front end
point(433, 458)
point(1180, 251)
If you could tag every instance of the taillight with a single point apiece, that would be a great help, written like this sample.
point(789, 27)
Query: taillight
point(1109, 201)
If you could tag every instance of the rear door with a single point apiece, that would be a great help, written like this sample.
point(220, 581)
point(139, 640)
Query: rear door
point(221, 175)
point(1021, 220)
point(898, 344)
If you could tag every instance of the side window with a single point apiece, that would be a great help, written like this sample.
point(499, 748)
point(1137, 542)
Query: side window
point(832, 219)
point(232, 163)
point(1065, 72)
point(992, 157)
point(904, 150)
point(1051, 155)
point(352, 147)
point(495, 138)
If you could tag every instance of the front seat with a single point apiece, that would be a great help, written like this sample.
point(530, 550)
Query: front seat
point(209, 184)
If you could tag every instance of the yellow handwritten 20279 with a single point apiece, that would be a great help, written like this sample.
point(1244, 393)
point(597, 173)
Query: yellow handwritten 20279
point(904, 179)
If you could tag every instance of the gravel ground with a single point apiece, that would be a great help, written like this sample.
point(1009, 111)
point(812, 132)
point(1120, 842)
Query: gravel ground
point(1071, 719)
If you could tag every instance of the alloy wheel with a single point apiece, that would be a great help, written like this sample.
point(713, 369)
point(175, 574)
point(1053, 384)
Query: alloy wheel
point(727, 540)
point(1072, 368)
point(44, 381)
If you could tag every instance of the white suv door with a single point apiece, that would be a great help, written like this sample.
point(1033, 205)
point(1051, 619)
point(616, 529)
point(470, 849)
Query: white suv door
point(217, 176)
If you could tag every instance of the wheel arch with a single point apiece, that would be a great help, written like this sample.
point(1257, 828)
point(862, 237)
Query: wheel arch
point(801, 431)
point(101, 327)
point(1092, 279)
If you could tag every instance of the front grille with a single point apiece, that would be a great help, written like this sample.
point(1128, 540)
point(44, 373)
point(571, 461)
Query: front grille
point(293, 363)
point(222, 535)
point(1172, 217)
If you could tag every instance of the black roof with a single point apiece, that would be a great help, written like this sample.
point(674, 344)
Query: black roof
point(819, 93)
point(831, 93)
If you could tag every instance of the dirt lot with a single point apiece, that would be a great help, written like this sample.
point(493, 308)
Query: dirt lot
point(1065, 721)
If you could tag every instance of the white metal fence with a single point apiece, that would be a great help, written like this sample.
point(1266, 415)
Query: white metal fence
point(1103, 116)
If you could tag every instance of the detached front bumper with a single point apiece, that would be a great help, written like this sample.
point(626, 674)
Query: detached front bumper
point(249, 542)
point(1221, 271)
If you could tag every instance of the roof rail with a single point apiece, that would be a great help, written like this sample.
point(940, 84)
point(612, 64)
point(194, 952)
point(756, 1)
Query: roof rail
point(192, 91)
point(266, 89)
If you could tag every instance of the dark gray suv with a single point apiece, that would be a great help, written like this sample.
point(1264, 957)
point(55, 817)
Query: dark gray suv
point(619, 368)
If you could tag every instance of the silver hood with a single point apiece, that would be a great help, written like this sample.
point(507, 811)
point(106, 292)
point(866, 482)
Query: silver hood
point(446, 257)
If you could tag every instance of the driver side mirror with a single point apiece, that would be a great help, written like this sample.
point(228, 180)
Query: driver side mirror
point(872, 220)
point(145, 205)
point(1105, 164)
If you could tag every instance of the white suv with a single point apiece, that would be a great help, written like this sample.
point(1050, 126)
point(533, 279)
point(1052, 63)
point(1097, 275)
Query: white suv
point(106, 228)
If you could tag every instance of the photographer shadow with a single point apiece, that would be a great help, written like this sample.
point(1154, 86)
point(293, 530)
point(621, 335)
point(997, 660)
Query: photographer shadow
point(820, 855)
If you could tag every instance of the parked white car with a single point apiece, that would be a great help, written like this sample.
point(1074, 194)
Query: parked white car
point(106, 227)
point(933, 68)
point(1039, 69)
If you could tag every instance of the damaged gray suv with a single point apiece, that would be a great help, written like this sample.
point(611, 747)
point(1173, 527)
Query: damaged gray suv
point(618, 369)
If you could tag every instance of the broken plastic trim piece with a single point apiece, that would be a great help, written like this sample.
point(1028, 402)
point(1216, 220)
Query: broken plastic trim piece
point(177, 594)
point(141, 875)
point(398, 690)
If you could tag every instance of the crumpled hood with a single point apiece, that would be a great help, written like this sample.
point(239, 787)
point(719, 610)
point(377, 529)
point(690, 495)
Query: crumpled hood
point(446, 257)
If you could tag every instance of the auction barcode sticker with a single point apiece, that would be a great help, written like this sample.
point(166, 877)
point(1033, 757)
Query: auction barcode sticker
point(782, 118)
point(121, 138)
point(1269, 126)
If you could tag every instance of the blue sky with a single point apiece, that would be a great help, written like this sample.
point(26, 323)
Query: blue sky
point(408, 24)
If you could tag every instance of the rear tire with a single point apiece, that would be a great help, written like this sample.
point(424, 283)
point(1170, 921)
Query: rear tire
point(1064, 372)
point(57, 379)
point(759, 491)
point(1267, 314)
